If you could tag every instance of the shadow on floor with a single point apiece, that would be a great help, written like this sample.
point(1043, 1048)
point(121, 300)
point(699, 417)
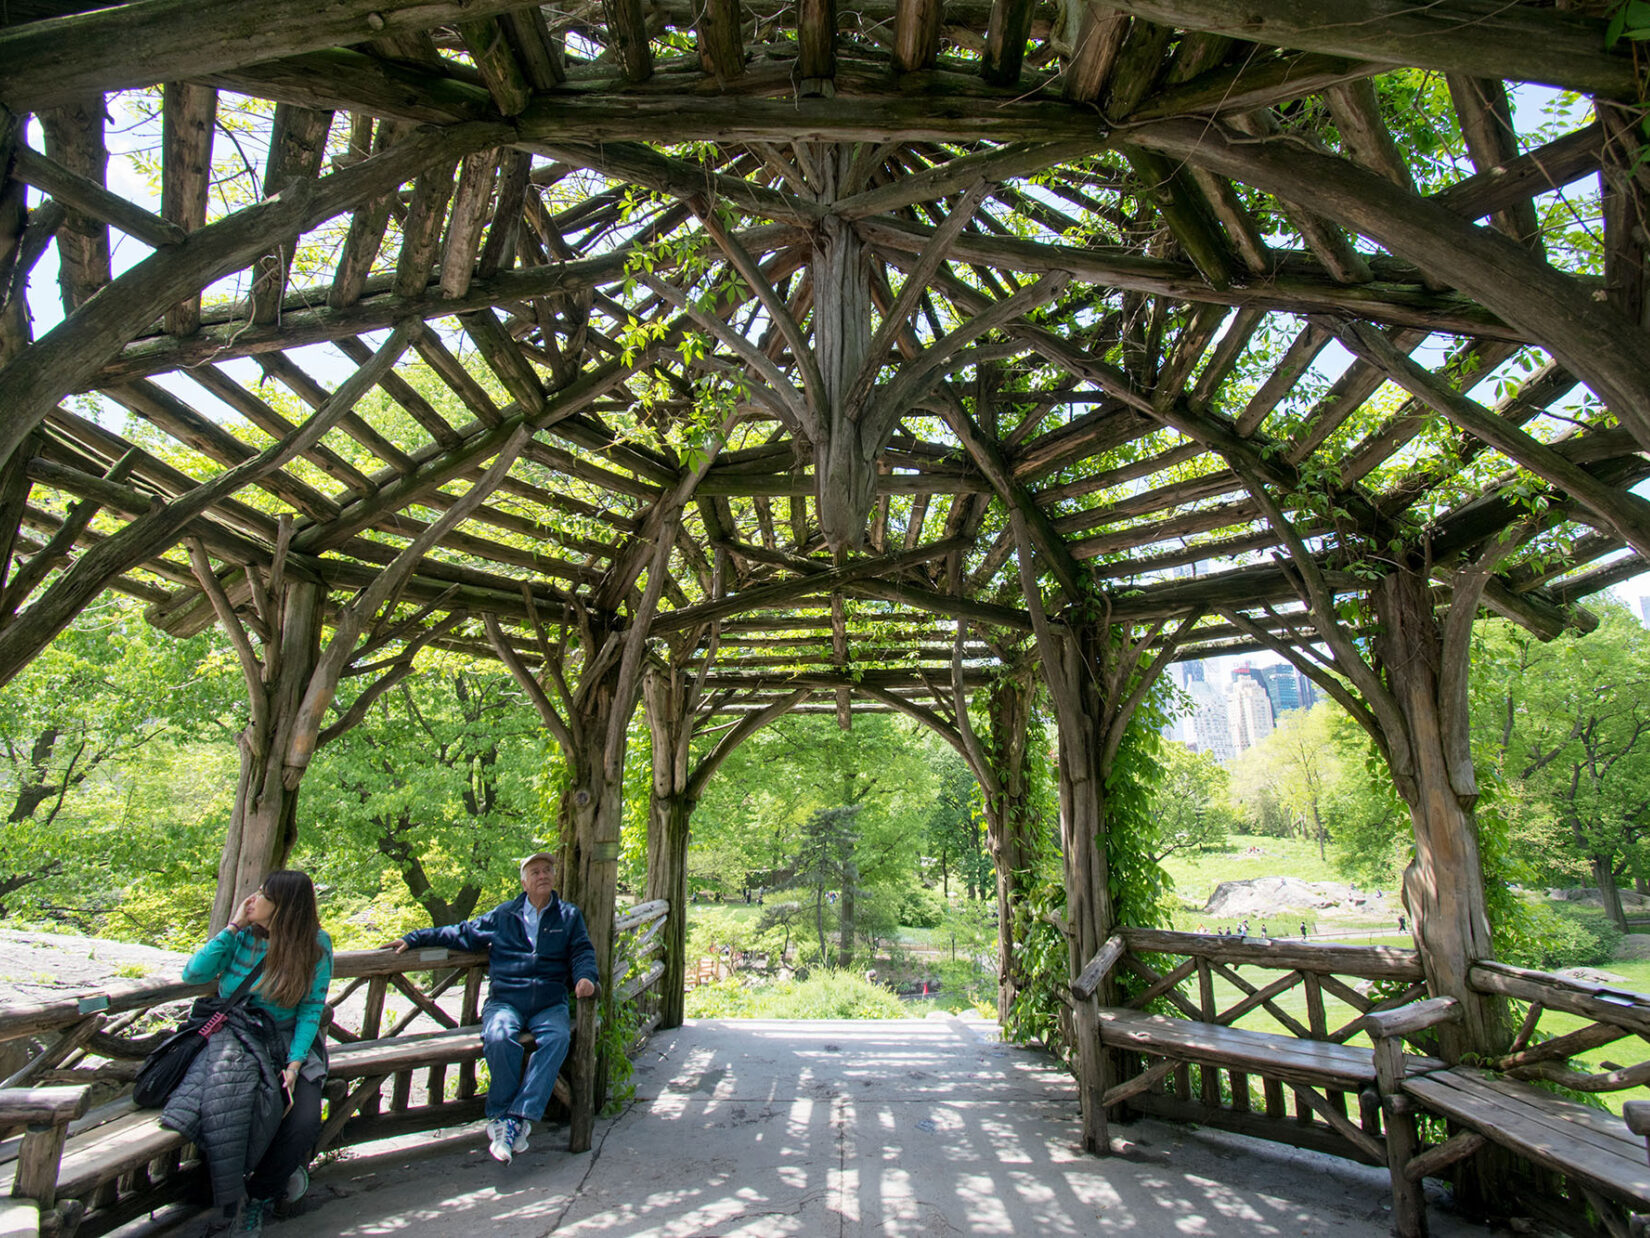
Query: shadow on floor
point(909, 1127)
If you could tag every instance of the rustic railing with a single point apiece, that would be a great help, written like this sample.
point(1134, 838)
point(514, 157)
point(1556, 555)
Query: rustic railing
point(638, 961)
point(1615, 1015)
point(1201, 978)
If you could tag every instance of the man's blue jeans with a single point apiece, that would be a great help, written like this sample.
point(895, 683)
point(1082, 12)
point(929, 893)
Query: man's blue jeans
point(509, 1095)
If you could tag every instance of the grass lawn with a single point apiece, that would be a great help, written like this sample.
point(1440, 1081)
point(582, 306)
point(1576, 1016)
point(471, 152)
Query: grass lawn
point(1245, 858)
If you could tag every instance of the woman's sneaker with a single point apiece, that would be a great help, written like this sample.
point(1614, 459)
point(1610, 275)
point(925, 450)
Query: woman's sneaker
point(297, 1186)
point(253, 1214)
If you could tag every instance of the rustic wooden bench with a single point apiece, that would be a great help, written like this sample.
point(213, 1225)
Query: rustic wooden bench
point(123, 1162)
point(1298, 1084)
point(1602, 1157)
point(1318, 1073)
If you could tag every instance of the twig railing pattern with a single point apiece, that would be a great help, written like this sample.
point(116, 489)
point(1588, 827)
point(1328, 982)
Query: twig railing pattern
point(1199, 978)
point(1616, 1015)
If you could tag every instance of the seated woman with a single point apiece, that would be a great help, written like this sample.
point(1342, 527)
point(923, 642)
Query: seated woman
point(252, 1098)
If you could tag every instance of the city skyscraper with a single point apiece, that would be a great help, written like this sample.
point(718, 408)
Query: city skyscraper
point(1248, 710)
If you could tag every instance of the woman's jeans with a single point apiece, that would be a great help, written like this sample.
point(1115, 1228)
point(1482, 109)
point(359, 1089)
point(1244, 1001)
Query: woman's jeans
point(293, 1142)
point(509, 1095)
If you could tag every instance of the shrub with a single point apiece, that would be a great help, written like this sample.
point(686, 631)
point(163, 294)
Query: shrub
point(920, 908)
point(823, 995)
point(1556, 935)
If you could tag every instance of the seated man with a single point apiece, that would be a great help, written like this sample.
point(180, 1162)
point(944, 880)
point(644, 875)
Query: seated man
point(536, 945)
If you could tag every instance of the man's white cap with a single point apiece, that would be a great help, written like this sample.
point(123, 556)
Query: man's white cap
point(539, 855)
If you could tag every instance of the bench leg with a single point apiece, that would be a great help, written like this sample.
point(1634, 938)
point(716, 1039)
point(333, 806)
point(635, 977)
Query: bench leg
point(1091, 1078)
point(1409, 1212)
point(582, 1122)
point(38, 1158)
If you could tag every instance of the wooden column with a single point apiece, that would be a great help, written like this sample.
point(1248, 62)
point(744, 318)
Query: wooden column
point(264, 822)
point(590, 724)
point(1008, 820)
point(1097, 675)
point(844, 462)
point(1444, 883)
point(669, 812)
point(294, 682)
point(1080, 711)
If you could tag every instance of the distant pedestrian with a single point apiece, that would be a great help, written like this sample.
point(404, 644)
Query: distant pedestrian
point(1401, 923)
point(1303, 930)
point(1263, 928)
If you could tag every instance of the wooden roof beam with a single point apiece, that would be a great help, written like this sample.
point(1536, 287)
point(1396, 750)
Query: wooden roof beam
point(816, 27)
point(188, 118)
point(495, 58)
point(804, 586)
point(62, 360)
point(92, 200)
point(1356, 110)
point(172, 416)
point(1100, 35)
point(1482, 38)
point(1599, 345)
point(276, 426)
point(1492, 141)
point(1323, 237)
point(928, 111)
point(1286, 292)
point(627, 38)
point(421, 231)
point(916, 35)
point(472, 208)
point(279, 366)
point(988, 457)
point(306, 319)
point(1545, 168)
point(127, 46)
point(1254, 81)
point(297, 147)
point(718, 29)
point(1625, 512)
point(1005, 41)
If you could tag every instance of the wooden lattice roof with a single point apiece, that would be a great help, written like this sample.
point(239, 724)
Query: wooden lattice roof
point(819, 295)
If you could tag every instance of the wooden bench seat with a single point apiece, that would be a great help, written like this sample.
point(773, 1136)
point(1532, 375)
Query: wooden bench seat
point(1311, 1063)
point(1588, 1145)
point(1322, 1075)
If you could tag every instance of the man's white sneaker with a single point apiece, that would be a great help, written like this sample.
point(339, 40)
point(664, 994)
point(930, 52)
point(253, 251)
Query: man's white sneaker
point(520, 1145)
point(499, 1140)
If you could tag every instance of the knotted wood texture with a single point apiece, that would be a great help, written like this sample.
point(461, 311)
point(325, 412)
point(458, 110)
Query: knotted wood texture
point(834, 355)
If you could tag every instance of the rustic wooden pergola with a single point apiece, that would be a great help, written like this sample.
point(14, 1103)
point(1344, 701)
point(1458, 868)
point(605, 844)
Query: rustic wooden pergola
point(754, 357)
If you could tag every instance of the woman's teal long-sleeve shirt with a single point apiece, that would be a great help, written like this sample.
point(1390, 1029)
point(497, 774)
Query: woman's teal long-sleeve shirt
point(232, 954)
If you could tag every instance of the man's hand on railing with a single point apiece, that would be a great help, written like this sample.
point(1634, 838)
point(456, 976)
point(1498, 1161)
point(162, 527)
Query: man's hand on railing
point(584, 989)
point(399, 945)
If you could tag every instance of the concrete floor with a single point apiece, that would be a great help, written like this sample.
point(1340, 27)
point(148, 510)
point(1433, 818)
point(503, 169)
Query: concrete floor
point(911, 1127)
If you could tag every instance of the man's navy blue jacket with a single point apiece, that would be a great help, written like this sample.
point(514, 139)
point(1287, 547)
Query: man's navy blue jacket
point(527, 978)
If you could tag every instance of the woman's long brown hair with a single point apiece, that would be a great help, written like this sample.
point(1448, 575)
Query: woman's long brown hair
point(294, 938)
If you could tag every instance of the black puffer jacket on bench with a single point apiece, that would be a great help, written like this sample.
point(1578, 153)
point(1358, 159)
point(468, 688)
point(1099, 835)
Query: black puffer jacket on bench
point(229, 1103)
